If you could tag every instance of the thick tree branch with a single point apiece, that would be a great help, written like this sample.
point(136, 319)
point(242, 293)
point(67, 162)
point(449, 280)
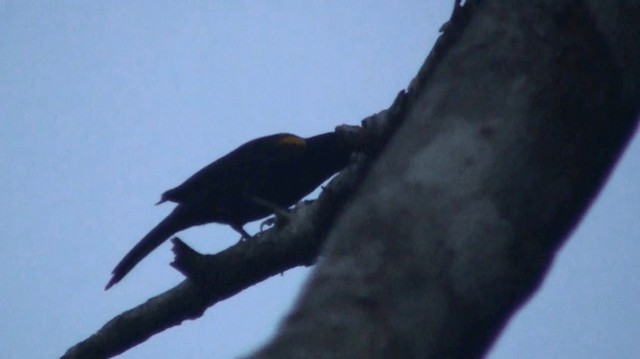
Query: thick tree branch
point(222, 275)
point(502, 141)
point(297, 244)
point(505, 144)
point(226, 273)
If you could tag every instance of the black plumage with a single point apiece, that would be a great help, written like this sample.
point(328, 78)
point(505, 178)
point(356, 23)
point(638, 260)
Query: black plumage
point(245, 185)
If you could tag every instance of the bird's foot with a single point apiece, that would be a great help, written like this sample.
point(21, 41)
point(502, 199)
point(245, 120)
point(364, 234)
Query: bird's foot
point(269, 222)
point(244, 235)
point(281, 215)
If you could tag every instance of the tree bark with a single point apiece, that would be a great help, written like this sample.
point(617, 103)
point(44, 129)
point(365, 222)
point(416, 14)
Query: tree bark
point(505, 143)
point(497, 149)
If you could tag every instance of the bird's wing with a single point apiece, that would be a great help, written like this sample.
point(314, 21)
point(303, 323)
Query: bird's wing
point(224, 172)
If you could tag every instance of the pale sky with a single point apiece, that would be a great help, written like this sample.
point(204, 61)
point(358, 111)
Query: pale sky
point(105, 105)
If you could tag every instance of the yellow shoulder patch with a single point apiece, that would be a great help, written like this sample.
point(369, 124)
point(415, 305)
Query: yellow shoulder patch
point(292, 140)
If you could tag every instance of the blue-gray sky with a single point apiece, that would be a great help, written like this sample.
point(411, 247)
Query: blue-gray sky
point(104, 105)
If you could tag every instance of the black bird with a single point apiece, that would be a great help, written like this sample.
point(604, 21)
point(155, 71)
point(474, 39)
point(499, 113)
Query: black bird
point(247, 184)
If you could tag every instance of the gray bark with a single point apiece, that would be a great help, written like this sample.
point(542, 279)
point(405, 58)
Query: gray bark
point(505, 143)
point(499, 146)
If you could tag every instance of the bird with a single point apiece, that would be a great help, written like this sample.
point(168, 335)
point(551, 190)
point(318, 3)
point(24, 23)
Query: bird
point(249, 183)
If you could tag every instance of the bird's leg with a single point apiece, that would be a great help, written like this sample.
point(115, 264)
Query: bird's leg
point(277, 210)
point(269, 222)
point(244, 234)
point(282, 215)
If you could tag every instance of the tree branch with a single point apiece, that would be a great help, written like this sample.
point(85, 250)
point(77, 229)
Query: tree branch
point(298, 243)
point(498, 147)
point(222, 275)
point(505, 144)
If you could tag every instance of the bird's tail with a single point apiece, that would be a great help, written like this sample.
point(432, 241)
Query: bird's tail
point(174, 222)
